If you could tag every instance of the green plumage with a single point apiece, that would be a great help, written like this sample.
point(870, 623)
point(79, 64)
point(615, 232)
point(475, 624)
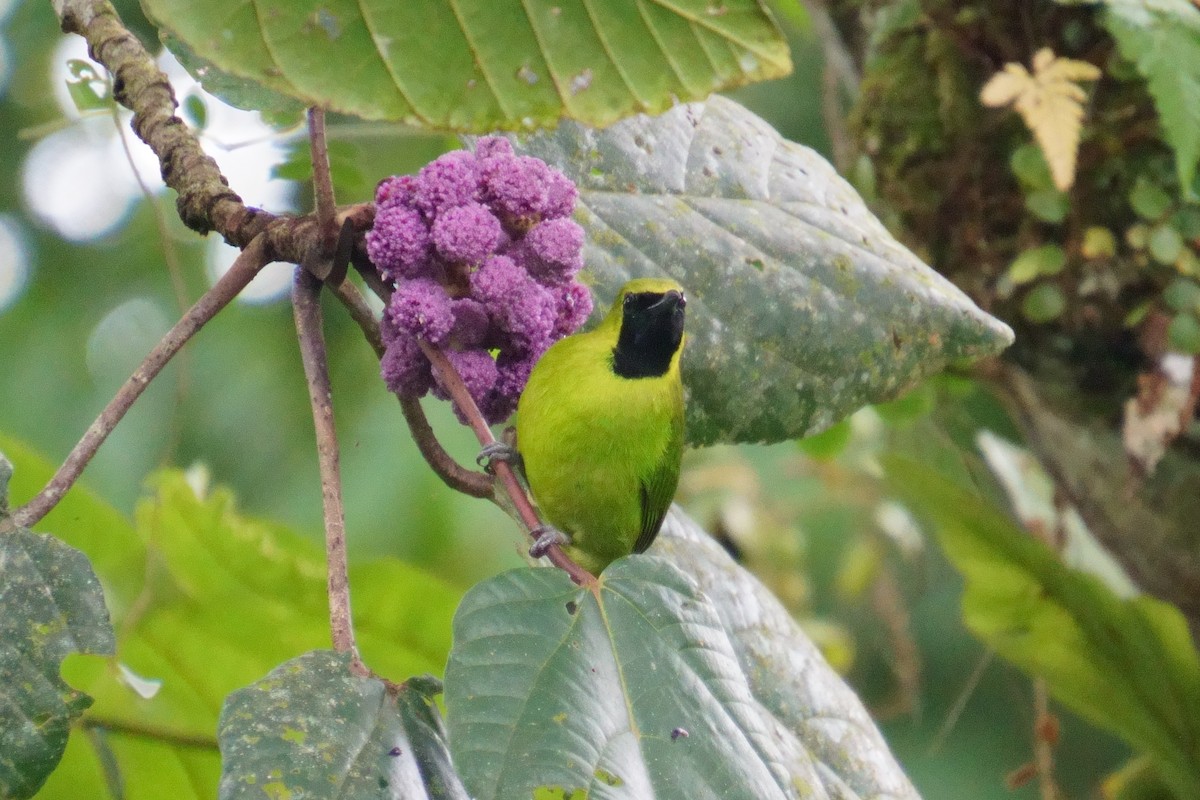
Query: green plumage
point(602, 451)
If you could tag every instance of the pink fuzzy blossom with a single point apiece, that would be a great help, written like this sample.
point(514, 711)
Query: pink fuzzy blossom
point(422, 308)
point(556, 246)
point(451, 180)
point(467, 234)
point(398, 243)
point(404, 368)
point(483, 256)
point(398, 190)
point(574, 307)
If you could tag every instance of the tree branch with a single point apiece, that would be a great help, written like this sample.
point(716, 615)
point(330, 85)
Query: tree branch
point(205, 202)
point(307, 307)
point(149, 731)
point(247, 265)
point(361, 313)
point(322, 177)
point(453, 474)
point(462, 397)
point(1045, 737)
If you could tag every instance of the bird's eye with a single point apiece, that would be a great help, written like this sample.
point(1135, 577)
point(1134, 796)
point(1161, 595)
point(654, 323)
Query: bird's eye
point(628, 300)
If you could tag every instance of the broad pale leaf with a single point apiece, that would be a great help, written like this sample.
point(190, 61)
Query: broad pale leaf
point(801, 306)
point(630, 691)
point(638, 689)
point(1092, 647)
point(789, 678)
point(479, 65)
point(1163, 39)
point(51, 606)
point(312, 729)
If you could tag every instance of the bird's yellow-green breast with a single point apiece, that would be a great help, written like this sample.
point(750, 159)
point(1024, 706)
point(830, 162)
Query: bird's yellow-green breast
point(600, 425)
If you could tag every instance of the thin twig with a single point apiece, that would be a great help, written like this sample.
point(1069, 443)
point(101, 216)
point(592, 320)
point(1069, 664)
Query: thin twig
point(453, 474)
point(307, 307)
point(960, 702)
point(361, 313)
point(322, 177)
point(149, 731)
point(887, 600)
point(98, 739)
point(839, 82)
point(462, 397)
point(838, 58)
point(205, 202)
point(247, 265)
point(1045, 737)
point(834, 115)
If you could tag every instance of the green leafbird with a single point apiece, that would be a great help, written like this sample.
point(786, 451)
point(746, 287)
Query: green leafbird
point(600, 426)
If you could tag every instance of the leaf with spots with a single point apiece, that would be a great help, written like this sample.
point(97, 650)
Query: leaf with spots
point(475, 65)
point(637, 689)
point(312, 729)
point(51, 606)
point(790, 680)
point(801, 306)
point(171, 580)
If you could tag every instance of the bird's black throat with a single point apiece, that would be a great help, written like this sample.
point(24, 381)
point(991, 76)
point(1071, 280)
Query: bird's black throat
point(651, 332)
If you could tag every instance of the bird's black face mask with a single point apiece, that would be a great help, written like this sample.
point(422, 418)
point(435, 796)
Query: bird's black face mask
point(651, 332)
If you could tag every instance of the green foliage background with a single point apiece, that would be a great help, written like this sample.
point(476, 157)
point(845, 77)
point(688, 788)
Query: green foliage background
point(236, 404)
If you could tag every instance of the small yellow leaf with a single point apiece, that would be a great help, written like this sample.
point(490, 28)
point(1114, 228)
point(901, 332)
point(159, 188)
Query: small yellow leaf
point(1005, 86)
point(1042, 59)
point(1050, 101)
point(1077, 70)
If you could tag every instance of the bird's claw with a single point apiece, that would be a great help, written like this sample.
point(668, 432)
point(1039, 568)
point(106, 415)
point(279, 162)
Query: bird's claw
point(493, 452)
point(545, 537)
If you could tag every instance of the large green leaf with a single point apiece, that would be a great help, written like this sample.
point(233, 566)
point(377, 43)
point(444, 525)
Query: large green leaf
point(632, 690)
point(1128, 665)
point(51, 606)
point(223, 600)
point(1163, 39)
point(802, 307)
point(209, 560)
point(478, 65)
point(646, 687)
point(313, 729)
point(789, 678)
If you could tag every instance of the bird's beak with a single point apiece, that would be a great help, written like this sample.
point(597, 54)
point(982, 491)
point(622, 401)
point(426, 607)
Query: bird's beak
point(671, 299)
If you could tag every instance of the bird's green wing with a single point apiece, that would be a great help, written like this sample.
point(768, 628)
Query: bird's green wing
point(658, 488)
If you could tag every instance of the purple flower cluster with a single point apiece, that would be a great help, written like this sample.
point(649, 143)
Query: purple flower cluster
point(484, 256)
